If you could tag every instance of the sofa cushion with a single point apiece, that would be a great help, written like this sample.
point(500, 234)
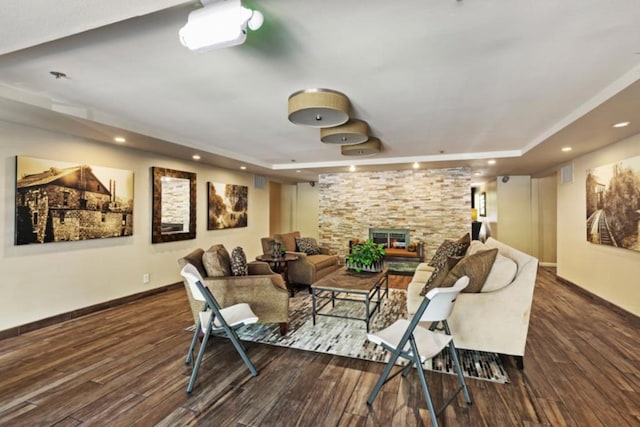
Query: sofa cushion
point(216, 261)
point(447, 248)
point(322, 261)
point(421, 275)
point(288, 240)
point(476, 267)
point(308, 245)
point(239, 262)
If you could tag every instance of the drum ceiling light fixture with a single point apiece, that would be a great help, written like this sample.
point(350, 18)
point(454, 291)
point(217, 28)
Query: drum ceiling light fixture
point(353, 132)
point(318, 108)
point(369, 148)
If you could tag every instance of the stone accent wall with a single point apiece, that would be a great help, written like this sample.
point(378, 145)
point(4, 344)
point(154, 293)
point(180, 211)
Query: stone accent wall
point(434, 204)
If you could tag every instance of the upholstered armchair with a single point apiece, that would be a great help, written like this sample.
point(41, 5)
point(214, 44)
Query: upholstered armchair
point(307, 269)
point(262, 289)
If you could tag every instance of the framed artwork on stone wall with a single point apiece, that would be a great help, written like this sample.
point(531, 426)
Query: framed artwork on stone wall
point(173, 217)
point(62, 201)
point(613, 204)
point(227, 206)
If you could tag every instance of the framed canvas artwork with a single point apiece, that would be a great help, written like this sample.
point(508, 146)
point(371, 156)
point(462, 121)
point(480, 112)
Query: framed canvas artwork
point(61, 201)
point(227, 205)
point(613, 204)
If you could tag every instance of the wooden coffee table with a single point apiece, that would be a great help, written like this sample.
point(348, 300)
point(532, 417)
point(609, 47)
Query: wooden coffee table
point(346, 285)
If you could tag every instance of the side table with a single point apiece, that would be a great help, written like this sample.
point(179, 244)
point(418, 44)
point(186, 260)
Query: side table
point(280, 265)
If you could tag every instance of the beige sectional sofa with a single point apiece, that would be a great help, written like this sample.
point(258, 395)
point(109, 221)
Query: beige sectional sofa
point(496, 319)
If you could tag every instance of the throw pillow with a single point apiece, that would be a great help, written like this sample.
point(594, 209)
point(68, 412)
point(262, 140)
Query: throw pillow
point(447, 248)
point(502, 274)
point(308, 245)
point(466, 241)
point(476, 267)
point(439, 274)
point(239, 262)
point(216, 261)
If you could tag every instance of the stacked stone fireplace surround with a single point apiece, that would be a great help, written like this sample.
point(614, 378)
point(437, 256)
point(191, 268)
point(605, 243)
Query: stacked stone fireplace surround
point(434, 204)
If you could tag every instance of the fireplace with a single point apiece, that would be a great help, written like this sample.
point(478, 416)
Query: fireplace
point(390, 237)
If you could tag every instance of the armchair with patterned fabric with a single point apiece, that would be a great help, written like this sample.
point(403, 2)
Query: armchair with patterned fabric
point(261, 288)
point(313, 263)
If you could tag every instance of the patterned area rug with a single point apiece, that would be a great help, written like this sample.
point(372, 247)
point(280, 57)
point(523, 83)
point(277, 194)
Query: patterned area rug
point(346, 337)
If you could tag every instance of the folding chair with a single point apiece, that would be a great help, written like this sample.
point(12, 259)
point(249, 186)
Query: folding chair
point(215, 320)
point(407, 339)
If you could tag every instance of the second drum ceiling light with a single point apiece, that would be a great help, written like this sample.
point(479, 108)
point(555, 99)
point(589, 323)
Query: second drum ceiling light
point(353, 132)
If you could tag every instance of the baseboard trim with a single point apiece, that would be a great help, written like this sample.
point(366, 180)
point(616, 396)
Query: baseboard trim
point(63, 317)
point(601, 301)
point(549, 264)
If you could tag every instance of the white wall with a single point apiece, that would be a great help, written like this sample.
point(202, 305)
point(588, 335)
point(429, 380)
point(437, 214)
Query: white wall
point(514, 211)
point(307, 214)
point(42, 280)
point(611, 273)
point(544, 197)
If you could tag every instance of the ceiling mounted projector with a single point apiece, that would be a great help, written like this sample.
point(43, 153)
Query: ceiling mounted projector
point(219, 24)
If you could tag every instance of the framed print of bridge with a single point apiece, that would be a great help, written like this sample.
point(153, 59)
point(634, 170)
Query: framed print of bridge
point(613, 204)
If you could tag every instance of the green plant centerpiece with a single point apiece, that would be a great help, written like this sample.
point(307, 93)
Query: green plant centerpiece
point(367, 256)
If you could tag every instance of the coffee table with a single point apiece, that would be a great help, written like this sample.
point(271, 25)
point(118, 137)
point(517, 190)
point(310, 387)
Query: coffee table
point(346, 285)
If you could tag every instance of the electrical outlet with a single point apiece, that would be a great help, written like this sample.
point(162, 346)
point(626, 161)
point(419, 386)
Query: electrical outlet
point(145, 278)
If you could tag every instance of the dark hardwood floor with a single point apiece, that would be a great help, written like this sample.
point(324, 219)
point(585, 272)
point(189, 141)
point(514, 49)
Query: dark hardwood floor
point(125, 366)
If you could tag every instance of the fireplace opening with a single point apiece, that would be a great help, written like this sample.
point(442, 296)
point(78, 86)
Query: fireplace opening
point(390, 237)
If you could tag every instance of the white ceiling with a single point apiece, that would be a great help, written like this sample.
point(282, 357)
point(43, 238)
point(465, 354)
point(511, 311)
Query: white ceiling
point(443, 82)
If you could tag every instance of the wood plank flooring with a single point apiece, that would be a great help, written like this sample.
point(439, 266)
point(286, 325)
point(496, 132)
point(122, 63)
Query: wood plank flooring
point(125, 366)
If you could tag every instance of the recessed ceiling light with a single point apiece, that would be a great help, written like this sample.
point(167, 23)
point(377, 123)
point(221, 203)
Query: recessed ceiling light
point(566, 149)
point(478, 173)
point(196, 157)
point(352, 168)
point(491, 162)
point(416, 165)
point(621, 124)
point(298, 171)
point(243, 168)
point(119, 139)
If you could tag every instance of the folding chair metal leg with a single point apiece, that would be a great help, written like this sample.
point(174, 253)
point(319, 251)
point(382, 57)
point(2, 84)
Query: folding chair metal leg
point(456, 362)
point(196, 365)
point(196, 332)
point(241, 350)
point(385, 374)
point(423, 382)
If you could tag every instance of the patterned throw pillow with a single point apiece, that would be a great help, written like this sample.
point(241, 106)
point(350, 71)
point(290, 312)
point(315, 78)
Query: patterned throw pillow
point(448, 248)
point(439, 274)
point(239, 262)
point(477, 267)
point(308, 245)
point(216, 261)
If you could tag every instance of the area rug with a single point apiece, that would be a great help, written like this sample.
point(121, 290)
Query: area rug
point(346, 337)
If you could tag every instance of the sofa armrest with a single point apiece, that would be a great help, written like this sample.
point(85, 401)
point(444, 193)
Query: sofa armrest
point(259, 268)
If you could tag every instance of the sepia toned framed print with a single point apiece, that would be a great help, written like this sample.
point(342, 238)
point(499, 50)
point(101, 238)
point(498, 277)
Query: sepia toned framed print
point(173, 216)
point(613, 204)
point(227, 206)
point(62, 201)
